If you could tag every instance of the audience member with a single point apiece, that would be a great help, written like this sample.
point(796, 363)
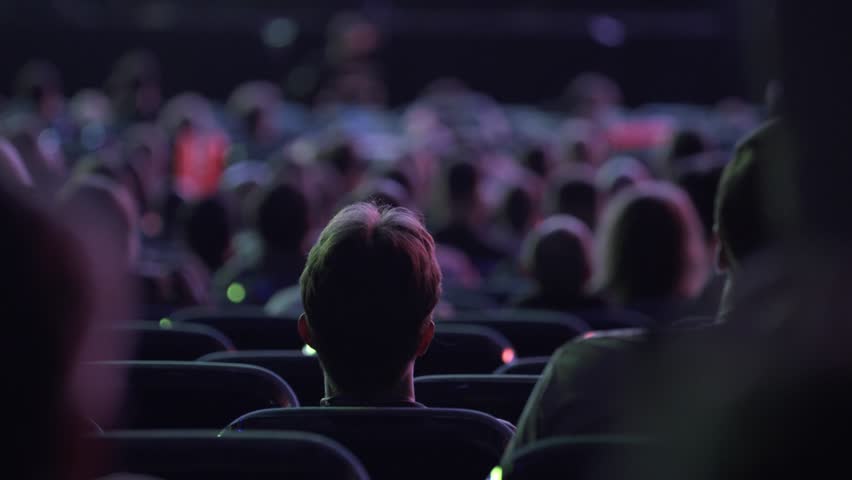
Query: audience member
point(651, 253)
point(558, 255)
point(369, 288)
point(281, 218)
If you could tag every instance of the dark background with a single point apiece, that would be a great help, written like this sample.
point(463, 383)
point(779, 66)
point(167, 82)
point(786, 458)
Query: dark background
point(672, 50)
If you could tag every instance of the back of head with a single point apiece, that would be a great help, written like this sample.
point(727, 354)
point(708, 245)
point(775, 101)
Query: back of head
point(369, 287)
point(651, 245)
point(462, 182)
point(577, 197)
point(106, 207)
point(281, 217)
point(558, 255)
point(519, 209)
point(743, 217)
point(47, 299)
point(207, 231)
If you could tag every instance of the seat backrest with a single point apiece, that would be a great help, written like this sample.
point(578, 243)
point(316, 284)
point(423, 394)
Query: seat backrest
point(581, 457)
point(524, 366)
point(170, 341)
point(203, 454)
point(503, 396)
point(192, 394)
point(302, 372)
point(395, 443)
point(614, 318)
point(250, 328)
point(458, 348)
point(531, 332)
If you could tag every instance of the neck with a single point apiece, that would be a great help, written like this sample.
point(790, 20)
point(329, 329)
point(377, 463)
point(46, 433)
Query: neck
point(403, 390)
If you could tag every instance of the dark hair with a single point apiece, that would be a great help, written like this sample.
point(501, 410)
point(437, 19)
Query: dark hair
point(282, 218)
point(558, 255)
point(651, 245)
point(462, 181)
point(370, 283)
point(700, 180)
point(742, 216)
point(535, 160)
point(207, 231)
point(518, 209)
point(577, 197)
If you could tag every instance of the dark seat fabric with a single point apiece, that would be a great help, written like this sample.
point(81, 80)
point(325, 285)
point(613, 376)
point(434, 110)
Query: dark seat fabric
point(303, 373)
point(395, 443)
point(459, 348)
point(192, 394)
point(524, 366)
point(170, 341)
point(581, 457)
point(250, 328)
point(203, 454)
point(503, 396)
point(531, 332)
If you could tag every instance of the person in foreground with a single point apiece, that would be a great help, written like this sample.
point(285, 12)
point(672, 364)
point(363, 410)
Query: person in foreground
point(369, 287)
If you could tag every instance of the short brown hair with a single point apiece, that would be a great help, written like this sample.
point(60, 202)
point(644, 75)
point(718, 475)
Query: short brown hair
point(370, 283)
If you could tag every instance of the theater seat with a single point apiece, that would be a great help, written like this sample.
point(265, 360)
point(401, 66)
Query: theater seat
point(400, 443)
point(524, 366)
point(204, 455)
point(192, 394)
point(459, 348)
point(250, 328)
point(503, 396)
point(170, 341)
point(580, 458)
point(531, 332)
point(303, 373)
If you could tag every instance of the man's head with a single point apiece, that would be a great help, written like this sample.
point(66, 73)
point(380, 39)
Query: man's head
point(743, 219)
point(369, 288)
point(558, 254)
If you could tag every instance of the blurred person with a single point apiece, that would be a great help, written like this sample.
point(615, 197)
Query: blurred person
point(207, 231)
point(281, 218)
point(369, 289)
point(346, 163)
point(40, 148)
point(651, 255)
point(593, 96)
point(134, 85)
point(537, 161)
point(55, 267)
point(619, 173)
point(464, 229)
point(575, 195)
point(517, 214)
point(38, 89)
point(684, 144)
point(257, 106)
point(558, 256)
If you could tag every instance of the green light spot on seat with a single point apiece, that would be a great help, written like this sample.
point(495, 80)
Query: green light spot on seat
point(496, 474)
point(308, 351)
point(236, 293)
point(165, 323)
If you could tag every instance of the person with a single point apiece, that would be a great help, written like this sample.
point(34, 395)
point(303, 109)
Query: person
point(651, 254)
point(280, 216)
point(369, 288)
point(558, 255)
point(49, 297)
point(463, 230)
point(207, 232)
point(577, 196)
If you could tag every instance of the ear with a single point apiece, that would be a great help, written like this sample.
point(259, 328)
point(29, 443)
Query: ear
point(426, 337)
point(305, 330)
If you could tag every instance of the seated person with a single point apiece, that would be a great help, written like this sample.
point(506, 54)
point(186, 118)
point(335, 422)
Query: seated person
point(369, 288)
point(557, 254)
point(282, 221)
point(587, 385)
point(651, 252)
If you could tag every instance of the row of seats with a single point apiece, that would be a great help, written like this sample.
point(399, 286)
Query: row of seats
point(203, 395)
point(406, 443)
point(531, 332)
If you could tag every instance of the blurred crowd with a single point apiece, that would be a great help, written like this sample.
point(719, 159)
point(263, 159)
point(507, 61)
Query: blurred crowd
point(575, 206)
